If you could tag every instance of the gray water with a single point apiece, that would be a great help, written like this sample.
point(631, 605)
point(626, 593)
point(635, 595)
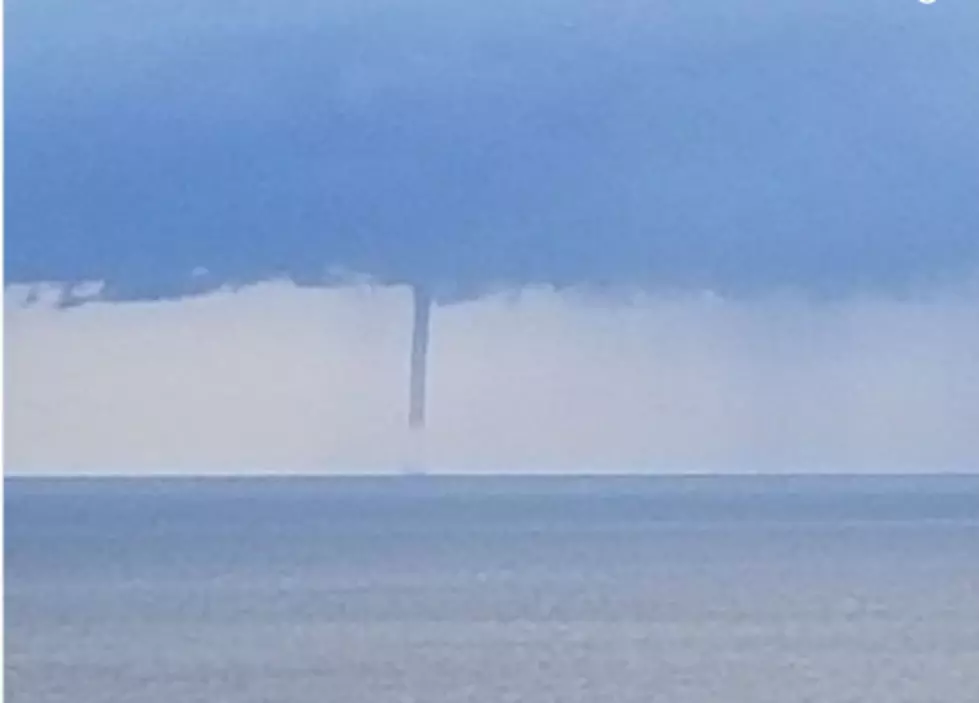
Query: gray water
point(435, 589)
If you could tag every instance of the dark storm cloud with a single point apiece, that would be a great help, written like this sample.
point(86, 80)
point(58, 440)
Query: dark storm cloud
point(739, 147)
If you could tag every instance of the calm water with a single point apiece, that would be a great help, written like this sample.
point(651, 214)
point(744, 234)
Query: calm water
point(430, 590)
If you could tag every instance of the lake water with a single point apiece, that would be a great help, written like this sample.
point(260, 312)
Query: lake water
point(681, 590)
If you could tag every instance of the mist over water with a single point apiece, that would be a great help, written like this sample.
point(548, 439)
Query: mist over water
point(480, 589)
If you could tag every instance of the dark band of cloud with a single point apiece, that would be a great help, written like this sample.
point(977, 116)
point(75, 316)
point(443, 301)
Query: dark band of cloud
point(826, 146)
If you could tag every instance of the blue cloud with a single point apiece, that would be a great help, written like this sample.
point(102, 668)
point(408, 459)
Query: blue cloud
point(741, 147)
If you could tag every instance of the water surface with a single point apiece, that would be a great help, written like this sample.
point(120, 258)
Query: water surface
point(493, 589)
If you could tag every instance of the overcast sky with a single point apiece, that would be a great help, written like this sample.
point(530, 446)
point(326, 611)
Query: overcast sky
point(737, 145)
point(699, 235)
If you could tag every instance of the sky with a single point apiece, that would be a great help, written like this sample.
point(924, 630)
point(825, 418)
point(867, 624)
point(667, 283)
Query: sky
point(276, 377)
point(701, 236)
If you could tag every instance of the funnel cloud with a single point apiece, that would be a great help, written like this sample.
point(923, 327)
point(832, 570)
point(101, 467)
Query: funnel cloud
point(422, 309)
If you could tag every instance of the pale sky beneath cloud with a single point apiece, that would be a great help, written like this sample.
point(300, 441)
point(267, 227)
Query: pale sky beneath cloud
point(277, 378)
